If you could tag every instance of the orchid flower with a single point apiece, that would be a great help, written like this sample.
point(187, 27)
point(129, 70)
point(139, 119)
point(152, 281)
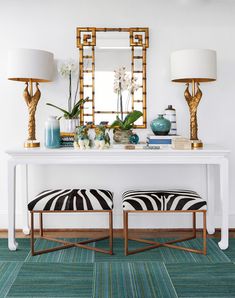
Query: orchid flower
point(123, 82)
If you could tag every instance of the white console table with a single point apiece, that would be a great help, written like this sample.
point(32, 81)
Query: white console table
point(209, 156)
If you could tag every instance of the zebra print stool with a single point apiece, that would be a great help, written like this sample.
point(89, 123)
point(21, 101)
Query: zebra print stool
point(163, 201)
point(72, 200)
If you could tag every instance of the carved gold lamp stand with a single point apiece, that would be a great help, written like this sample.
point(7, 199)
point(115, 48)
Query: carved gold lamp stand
point(31, 100)
point(30, 66)
point(193, 102)
point(193, 67)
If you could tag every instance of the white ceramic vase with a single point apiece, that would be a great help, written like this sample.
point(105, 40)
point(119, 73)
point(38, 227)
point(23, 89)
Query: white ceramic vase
point(69, 125)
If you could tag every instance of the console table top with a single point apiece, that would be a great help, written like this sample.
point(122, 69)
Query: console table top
point(207, 149)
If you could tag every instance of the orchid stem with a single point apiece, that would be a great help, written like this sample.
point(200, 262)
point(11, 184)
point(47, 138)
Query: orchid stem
point(121, 105)
point(70, 92)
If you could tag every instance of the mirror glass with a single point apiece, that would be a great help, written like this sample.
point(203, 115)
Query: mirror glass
point(105, 56)
point(112, 52)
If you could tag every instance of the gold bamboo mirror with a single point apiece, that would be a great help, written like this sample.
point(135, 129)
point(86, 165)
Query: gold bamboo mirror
point(102, 51)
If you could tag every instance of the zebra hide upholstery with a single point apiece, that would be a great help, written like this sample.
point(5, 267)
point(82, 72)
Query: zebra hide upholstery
point(162, 200)
point(72, 199)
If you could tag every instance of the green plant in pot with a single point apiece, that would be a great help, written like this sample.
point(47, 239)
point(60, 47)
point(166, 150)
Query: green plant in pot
point(74, 113)
point(122, 129)
point(68, 70)
point(124, 85)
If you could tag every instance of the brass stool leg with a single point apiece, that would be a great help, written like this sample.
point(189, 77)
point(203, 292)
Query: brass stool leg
point(32, 233)
point(67, 244)
point(41, 223)
point(204, 232)
point(111, 231)
point(194, 225)
point(125, 223)
point(169, 244)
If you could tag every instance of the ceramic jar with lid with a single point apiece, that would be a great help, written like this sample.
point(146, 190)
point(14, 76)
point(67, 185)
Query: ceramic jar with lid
point(170, 114)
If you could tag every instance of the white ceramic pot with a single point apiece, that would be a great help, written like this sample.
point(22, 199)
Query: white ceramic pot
point(69, 125)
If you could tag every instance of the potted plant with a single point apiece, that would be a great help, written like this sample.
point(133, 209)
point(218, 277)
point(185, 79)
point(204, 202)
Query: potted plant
point(71, 115)
point(122, 129)
point(124, 84)
point(71, 118)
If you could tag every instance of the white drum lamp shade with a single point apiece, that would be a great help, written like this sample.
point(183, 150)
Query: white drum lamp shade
point(30, 65)
point(193, 64)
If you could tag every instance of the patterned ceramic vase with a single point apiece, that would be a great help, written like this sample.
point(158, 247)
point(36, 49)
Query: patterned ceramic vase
point(160, 126)
point(121, 136)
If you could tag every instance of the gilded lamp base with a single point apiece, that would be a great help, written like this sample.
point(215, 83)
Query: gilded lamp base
point(31, 144)
point(31, 100)
point(196, 144)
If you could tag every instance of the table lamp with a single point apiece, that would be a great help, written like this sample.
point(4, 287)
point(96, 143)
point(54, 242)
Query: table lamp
point(30, 66)
point(193, 66)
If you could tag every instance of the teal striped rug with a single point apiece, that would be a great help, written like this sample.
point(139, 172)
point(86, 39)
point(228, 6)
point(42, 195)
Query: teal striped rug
point(76, 272)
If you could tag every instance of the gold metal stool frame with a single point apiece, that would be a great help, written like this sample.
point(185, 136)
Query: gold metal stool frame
point(154, 244)
point(67, 244)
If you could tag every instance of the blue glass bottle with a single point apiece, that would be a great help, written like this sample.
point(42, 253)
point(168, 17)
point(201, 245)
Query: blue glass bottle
point(52, 133)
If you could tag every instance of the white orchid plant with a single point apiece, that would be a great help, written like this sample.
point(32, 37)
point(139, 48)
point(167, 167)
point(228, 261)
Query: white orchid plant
point(67, 70)
point(122, 83)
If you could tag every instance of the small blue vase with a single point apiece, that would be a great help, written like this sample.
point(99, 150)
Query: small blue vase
point(52, 133)
point(134, 139)
point(160, 126)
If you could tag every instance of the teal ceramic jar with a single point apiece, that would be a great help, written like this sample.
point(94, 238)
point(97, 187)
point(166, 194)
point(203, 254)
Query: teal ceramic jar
point(134, 138)
point(160, 126)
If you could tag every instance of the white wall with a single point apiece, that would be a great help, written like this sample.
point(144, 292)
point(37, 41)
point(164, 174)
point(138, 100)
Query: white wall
point(174, 24)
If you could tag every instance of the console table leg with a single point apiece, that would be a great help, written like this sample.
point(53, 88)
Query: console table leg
point(210, 172)
point(224, 198)
point(12, 244)
point(24, 199)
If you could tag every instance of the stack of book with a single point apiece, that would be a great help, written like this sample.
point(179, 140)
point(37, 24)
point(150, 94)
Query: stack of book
point(160, 141)
point(181, 144)
point(67, 139)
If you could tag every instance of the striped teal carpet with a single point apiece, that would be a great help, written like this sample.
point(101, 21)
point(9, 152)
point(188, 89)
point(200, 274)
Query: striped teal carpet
point(81, 273)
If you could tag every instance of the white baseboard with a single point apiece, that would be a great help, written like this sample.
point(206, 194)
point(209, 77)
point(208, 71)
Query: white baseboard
point(100, 221)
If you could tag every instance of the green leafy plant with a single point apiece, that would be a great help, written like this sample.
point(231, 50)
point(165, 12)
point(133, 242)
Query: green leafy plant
point(128, 122)
point(75, 110)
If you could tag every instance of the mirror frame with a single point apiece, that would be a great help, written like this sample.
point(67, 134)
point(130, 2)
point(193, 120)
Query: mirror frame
point(86, 37)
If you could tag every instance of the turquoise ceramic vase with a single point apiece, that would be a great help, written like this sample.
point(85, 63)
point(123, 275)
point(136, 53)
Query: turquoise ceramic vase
point(160, 126)
point(52, 133)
